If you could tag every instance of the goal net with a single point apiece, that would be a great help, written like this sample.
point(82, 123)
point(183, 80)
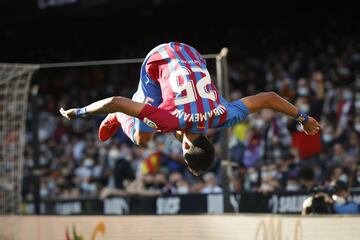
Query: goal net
point(14, 87)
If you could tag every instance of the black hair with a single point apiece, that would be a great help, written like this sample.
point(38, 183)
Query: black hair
point(319, 204)
point(340, 186)
point(200, 161)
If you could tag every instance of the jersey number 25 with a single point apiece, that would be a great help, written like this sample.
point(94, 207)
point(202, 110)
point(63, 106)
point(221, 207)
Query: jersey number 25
point(189, 87)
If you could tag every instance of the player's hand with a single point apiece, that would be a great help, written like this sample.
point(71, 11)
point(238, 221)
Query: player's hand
point(311, 127)
point(69, 114)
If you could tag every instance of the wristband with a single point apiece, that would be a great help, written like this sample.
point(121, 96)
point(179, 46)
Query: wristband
point(80, 112)
point(302, 117)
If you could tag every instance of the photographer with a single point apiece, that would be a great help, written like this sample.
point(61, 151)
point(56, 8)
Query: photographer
point(319, 203)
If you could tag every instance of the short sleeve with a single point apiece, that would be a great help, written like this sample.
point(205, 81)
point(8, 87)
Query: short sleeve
point(159, 119)
point(237, 112)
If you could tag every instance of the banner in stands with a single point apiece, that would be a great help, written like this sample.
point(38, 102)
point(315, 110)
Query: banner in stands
point(282, 203)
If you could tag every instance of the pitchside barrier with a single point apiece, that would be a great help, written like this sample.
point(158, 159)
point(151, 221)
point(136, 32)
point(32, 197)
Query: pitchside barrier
point(209, 227)
point(279, 203)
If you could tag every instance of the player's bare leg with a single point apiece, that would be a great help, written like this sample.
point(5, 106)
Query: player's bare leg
point(142, 138)
point(130, 128)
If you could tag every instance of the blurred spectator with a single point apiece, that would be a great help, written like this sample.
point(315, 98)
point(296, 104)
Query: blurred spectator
point(288, 170)
point(339, 154)
point(197, 186)
point(83, 177)
point(357, 177)
point(174, 179)
point(252, 147)
point(122, 172)
point(28, 185)
point(269, 179)
point(211, 185)
point(236, 185)
point(252, 179)
point(353, 145)
point(276, 135)
point(183, 187)
point(306, 176)
point(344, 106)
point(161, 182)
point(292, 185)
point(328, 136)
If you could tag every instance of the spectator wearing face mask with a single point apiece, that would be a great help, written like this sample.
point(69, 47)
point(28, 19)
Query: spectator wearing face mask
point(292, 185)
point(252, 147)
point(357, 177)
point(84, 174)
point(354, 144)
point(269, 179)
point(252, 179)
point(161, 182)
point(288, 169)
point(275, 136)
point(174, 178)
point(328, 136)
point(317, 99)
point(344, 107)
point(182, 187)
point(236, 185)
point(303, 89)
point(339, 174)
point(338, 154)
point(211, 185)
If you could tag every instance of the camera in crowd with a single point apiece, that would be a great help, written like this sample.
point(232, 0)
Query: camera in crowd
point(334, 199)
point(320, 201)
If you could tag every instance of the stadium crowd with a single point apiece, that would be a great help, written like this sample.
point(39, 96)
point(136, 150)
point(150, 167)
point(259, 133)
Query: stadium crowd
point(268, 151)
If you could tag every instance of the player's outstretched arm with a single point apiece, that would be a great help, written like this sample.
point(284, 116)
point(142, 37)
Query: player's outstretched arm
point(273, 101)
point(105, 106)
point(154, 117)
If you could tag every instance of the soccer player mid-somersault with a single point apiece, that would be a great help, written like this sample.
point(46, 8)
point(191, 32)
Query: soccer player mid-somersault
point(176, 94)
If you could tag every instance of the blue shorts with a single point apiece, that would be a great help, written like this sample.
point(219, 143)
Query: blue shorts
point(148, 92)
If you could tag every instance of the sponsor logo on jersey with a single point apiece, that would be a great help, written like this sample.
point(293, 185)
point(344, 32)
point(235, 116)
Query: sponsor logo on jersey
point(150, 123)
point(192, 61)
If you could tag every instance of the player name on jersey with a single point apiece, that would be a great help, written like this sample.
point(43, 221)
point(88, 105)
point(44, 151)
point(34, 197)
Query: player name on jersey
point(199, 117)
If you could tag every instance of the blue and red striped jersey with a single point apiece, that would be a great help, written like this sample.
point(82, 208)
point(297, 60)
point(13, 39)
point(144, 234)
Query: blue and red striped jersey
point(184, 88)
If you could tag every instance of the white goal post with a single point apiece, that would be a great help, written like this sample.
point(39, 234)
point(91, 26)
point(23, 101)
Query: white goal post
point(14, 89)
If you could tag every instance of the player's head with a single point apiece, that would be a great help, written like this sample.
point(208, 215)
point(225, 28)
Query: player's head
point(198, 154)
